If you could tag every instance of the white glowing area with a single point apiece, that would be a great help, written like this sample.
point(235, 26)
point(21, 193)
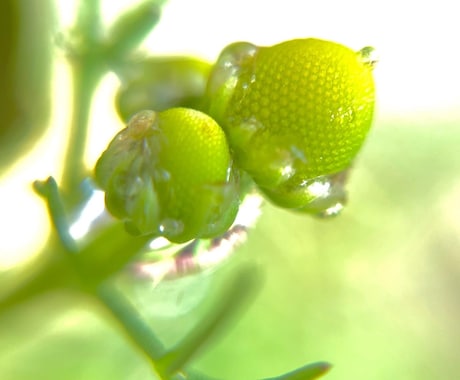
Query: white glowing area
point(250, 210)
point(91, 211)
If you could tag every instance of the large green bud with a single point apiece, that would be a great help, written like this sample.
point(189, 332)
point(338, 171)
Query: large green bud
point(296, 114)
point(170, 174)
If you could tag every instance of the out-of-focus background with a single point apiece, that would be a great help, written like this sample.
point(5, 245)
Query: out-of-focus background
point(374, 291)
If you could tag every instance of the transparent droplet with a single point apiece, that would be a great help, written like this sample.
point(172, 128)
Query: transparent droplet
point(235, 55)
point(322, 196)
point(328, 195)
point(222, 201)
point(171, 227)
point(281, 164)
point(226, 73)
point(369, 56)
point(333, 210)
point(177, 277)
point(167, 261)
point(163, 292)
point(244, 132)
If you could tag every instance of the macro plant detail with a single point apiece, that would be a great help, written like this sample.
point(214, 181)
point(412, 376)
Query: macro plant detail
point(170, 174)
point(285, 121)
point(295, 113)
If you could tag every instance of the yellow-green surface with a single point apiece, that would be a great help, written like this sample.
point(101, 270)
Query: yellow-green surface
point(374, 291)
point(170, 174)
point(292, 111)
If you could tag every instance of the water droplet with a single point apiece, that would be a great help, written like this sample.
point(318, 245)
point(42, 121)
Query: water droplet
point(278, 167)
point(319, 188)
point(222, 200)
point(368, 56)
point(321, 196)
point(333, 210)
point(287, 171)
point(283, 162)
point(171, 227)
point(328, 195)
point(226, 73)
point(245, 131)
point(181, 280)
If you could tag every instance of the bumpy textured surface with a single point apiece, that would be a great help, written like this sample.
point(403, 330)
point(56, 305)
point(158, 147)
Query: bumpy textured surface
point(293, 112)
point(170, 174)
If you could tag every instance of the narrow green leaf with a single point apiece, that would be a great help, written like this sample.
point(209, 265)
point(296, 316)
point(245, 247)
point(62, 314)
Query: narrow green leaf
point(192, 375)
point(238, 291)
point(308, 372)
point(133, 324)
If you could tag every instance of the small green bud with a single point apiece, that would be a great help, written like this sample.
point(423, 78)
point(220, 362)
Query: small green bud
point(131, 28)
point(160, 83)
point(170, 174)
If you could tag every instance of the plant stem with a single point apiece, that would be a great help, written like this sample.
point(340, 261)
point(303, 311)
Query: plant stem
point(132, 323)
point(86, 78)
point(86, 55)
point(49, 190)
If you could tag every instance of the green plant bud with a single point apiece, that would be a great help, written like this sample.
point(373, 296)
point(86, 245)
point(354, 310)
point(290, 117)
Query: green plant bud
point(170, 174)
point(160, 83)
point(296, 114)
point(132, 27)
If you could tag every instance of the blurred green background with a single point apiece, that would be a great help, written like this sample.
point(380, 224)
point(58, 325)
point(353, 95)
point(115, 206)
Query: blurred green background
point(374, 291)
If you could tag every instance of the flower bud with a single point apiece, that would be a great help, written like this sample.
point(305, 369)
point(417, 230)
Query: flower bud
point(296, 114)
point(170, 174)
point(160, 83)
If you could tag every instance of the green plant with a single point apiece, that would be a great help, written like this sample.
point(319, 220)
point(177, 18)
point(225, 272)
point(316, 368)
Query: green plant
point(174, 173)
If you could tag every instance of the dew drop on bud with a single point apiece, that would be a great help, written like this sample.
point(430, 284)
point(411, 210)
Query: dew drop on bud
point(171, 227)
point(329, 195)
point(227, 73)
point(369, 56)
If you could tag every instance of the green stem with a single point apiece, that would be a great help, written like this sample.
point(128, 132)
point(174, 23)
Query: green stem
point(307, 372)
point(132, 323)
point(49, 190)
point(239, 290)
point(88, 66)
point(86, 78)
